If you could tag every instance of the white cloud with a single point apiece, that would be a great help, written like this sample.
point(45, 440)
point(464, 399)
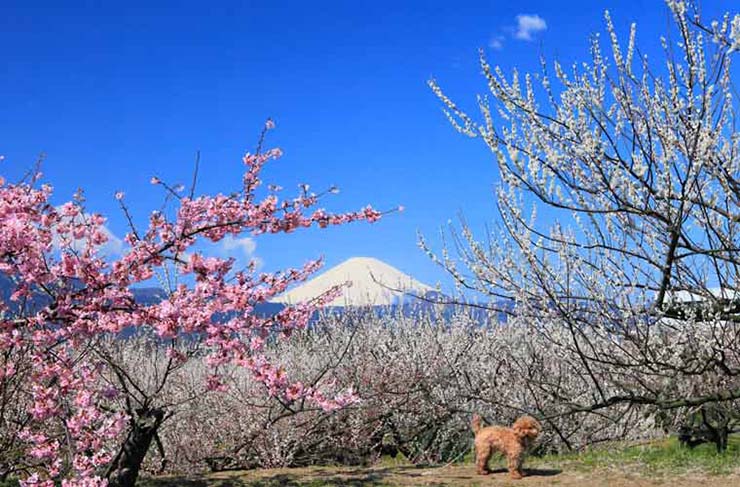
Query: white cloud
point(244, 246)
point(241, 249)
point(527, 25)
point(496, 43)
point(112, 248)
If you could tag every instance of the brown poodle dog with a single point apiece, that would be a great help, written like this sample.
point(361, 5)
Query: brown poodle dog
point(512, 442)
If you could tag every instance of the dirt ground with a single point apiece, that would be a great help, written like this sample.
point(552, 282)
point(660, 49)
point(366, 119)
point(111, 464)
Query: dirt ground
point(454, 476)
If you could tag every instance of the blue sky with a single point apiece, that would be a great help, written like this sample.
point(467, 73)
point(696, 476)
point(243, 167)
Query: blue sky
point(116, 93)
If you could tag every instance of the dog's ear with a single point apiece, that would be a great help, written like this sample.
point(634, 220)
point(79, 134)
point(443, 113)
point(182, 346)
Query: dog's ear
point(537, 427)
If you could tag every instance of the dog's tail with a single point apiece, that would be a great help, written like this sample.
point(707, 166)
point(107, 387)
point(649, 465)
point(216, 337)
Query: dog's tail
point(476, 423)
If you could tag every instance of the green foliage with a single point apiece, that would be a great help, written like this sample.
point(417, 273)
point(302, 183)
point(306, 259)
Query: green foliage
point(390, 462)
point(660, 457)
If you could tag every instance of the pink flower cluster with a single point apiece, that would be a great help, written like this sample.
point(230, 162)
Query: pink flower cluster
point(53, 254)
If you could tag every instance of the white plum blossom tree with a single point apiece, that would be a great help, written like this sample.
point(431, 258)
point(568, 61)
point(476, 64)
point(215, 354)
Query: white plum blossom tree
point(628, 261)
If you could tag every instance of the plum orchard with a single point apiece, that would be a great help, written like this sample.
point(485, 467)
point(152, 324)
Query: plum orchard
point(67, 297)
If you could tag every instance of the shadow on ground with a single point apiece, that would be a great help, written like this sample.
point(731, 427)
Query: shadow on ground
point(328, 479)
point(406, 475)
point(532, 472)
point(172, 481)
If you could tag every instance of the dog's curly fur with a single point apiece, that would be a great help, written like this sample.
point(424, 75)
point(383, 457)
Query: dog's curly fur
point(512, 442)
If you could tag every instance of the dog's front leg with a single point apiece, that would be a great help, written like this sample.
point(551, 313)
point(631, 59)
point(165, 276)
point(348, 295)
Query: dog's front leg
point(482, 453)
point(515, 465)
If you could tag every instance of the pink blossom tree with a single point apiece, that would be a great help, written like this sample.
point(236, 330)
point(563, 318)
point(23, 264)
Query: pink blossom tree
point(67, 297)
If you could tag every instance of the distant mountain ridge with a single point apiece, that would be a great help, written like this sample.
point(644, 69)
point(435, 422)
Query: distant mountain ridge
point(372, 283)
point(375, 284)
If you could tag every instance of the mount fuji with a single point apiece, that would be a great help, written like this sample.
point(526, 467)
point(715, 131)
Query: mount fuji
point(371, 283)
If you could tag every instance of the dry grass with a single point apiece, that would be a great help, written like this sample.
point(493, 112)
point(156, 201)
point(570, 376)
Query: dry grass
point(453, 476)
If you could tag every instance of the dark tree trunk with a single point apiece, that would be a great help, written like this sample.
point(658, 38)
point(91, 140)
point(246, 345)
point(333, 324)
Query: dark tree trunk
point(721, 438)
point(125, 468)
point(718, 428)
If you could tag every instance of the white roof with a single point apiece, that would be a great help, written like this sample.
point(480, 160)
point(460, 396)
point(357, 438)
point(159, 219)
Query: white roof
point(685, 296)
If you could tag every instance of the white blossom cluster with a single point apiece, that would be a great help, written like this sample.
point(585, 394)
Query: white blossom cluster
point(419, 377)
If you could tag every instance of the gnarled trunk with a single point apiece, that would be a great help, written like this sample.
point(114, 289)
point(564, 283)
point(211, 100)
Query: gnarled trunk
point(125, 468)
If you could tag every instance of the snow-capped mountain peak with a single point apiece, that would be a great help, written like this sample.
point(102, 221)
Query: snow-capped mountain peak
point(374, 283)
